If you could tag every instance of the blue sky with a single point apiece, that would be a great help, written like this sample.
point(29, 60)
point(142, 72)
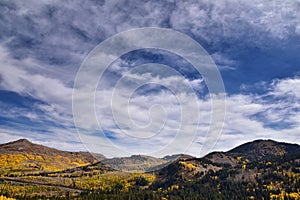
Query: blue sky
point(255, 45)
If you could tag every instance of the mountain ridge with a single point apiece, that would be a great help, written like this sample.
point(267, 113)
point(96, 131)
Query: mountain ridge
point(23, 156)
point(273, 171)
point(18, 146)
point(256, 149)
point(253, 150)
point(269, 147)
point(25, 146)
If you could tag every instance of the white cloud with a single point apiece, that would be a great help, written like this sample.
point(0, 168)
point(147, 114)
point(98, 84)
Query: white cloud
point(252, 20)
point(18, 76)
point(55, 32)
point(223, 62)
point(287, 88)
point(279, 108)
point(15, 77)
point(241, 125)
point(45, 43)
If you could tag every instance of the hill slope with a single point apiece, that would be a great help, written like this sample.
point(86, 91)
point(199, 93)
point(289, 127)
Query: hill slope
point(23, 156)
point(135, 163)
point(260, 149)
point(262, 169)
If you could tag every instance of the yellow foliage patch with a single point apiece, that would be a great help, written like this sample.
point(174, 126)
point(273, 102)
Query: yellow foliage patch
point(5, 198)
point(188, 165)
point(239, 158)
point(18, 162)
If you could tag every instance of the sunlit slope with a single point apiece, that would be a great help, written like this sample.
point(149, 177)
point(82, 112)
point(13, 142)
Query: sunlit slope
point(23, 156)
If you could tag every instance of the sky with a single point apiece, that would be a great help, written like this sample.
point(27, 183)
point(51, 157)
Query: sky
point(255, 46)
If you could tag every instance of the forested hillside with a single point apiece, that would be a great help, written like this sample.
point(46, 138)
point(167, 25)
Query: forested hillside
point(262, 169)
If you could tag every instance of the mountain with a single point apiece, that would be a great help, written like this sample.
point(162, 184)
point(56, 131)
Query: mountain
point(23, 156)
point(142, 163)
point(29, 157)
point(25, 146)
point(261, 169)
point(256, 162)
point(135, 163)
point(260, 149)
point(251, 151)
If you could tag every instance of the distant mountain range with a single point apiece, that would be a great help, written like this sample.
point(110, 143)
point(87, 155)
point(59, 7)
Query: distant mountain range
point(259, 149)
point(265, 167)
point(65, 159)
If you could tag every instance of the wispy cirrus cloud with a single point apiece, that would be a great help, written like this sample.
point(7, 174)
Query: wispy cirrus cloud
point(253, 20)
point(36, 29)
